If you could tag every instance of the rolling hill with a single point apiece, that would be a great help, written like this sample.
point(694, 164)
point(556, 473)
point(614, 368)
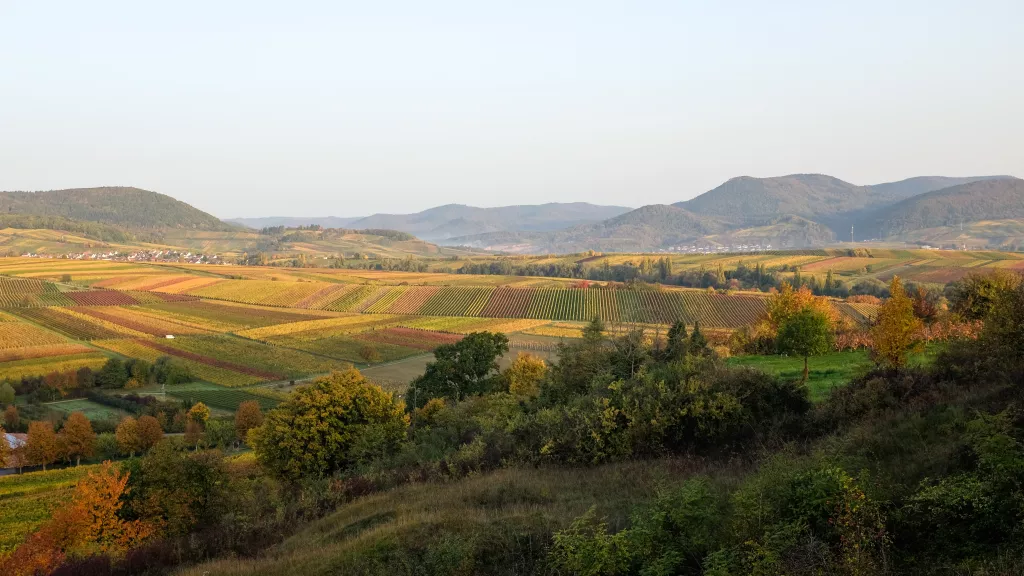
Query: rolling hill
point(293, 221)
point(454, 220)
point(972, 202)
point(118, 206)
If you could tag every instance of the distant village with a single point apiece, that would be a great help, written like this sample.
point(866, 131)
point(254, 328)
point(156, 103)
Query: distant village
point(138, 256)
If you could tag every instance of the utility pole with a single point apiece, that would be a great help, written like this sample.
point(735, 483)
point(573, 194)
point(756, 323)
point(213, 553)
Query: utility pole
point(851, 234)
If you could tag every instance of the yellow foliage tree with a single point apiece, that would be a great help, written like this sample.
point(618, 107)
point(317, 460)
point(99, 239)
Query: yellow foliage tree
point(128, 438)
point(525, 375)
point(199, 413)
point(894, 334)
point(787, 302)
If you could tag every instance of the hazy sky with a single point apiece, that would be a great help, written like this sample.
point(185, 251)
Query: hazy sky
point(348, 108)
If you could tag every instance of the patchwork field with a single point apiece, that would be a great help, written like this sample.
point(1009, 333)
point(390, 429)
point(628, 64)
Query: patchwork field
point(240, 329)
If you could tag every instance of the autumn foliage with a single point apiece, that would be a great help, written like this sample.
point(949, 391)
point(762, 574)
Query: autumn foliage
point(89, 524)
point(896, 330)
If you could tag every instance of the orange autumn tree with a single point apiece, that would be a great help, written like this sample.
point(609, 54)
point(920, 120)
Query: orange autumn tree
point(88, 525)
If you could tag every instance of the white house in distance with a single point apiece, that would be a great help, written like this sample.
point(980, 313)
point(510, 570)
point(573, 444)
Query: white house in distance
point(13, 441)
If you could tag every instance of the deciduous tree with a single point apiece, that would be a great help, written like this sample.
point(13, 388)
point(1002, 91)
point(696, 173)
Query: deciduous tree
point(894, 333)
point(128, 438)
point(78, 437)
point(150, 432)
point(247, 417)
point(525, 375)
point(322, 427)
point(6, 393)
point(5, 449)
point(41, 448)
point(462, 369)
point(199, 413)
point(806, 333)
point(11, 417)
point(193, 433)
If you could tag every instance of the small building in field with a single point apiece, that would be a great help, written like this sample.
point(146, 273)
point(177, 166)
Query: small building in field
point(14, 443)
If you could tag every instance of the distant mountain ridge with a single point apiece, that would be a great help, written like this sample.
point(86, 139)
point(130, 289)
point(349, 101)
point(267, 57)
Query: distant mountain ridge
point(293, 221)
point(119, 206)
point(790, 211)
point(453, 220)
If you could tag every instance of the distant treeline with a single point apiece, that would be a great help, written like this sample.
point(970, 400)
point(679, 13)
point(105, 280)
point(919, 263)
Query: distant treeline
point(659, 270)
point(299, 233)
point(93, 230)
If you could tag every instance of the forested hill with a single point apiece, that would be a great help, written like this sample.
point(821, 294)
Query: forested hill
point(119, 206)
point(815, 196)
point(971, 202)
point(454, 220)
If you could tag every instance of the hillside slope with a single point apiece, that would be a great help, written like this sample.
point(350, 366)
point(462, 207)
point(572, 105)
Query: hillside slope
point(293, 221)
point(120, 206)
point(971, 202)
point(646, 228)
point(454, 220)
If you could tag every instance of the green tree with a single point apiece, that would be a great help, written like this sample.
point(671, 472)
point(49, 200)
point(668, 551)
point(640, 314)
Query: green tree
point(6, 393)
point(220, 433)
point(113, 374)
point(894, 334)
point(698, 342)
point(806, 333)
point(976, 295)
point(461, 369)
point(677, 341)
point(328, 425)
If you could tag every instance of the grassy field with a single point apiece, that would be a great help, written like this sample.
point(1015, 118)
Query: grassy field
point(824, 372)
point(90, 409)
point(27, 500)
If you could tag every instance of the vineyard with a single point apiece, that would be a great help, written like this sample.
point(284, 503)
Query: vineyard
point(20, 334)
point(15, 370)
point(75, 325)
point(221, 398)
point(29, 500)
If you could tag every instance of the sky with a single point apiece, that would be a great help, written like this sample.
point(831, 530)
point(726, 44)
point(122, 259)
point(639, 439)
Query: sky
point(345, 108)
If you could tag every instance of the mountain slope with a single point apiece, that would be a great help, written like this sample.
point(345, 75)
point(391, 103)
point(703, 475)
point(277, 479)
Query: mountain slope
point(646, 228)
point(454, 220)
point(815, 196)
point(293, 221)
point(745, 197)
point(126, 207)
point(975, 201)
